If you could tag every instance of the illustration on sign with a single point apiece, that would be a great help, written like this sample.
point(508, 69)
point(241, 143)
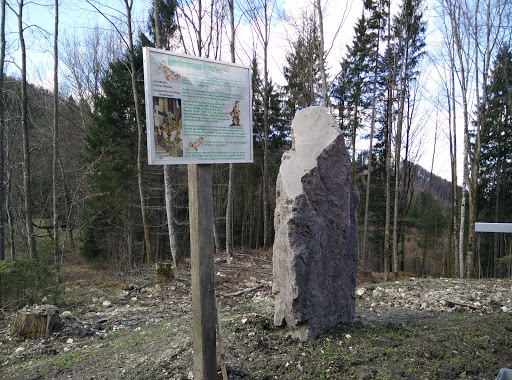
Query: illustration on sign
point(197, 110)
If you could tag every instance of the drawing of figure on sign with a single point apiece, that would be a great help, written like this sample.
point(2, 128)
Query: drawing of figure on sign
point(194, 145)
point(169, 74)
point(235, 115)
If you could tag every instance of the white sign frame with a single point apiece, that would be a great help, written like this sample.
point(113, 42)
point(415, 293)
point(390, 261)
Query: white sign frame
point(198, 110)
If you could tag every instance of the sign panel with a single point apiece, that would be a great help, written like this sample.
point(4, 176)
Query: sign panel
point(493, 227)
point(198, 111)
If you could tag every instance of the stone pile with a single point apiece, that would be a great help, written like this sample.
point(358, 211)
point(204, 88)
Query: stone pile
point(438, 295)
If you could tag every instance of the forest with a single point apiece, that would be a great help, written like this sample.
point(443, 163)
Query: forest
point(75, 185)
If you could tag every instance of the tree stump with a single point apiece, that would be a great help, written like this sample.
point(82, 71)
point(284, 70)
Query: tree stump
point(36, 321)
point(164, 271)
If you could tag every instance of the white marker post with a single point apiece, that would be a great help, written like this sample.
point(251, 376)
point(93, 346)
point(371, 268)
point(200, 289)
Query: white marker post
point(198, 112)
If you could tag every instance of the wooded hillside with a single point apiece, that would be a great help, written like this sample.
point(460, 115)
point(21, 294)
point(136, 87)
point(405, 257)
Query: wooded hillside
point(73, 160)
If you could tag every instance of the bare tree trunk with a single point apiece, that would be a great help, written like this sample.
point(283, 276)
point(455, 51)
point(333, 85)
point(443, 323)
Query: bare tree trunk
point(31, 242)
point(497, 237)
point(430, 182)
point(453, 160)
point(370, 153)
point(8, 211)
point(398, 143)
point(266, 219)
point(398, 148)
point(245, 220)
point(473, 179)
point(199, 30)
point(131, 232)
point(2, 128)
point(56, 147)
point(463, 212)
point(390, 85)
point(140, 133)
point(325, 97)
point(353, 142)
point(491, 41)
point(454, 12)
point(169, 206)
point(473, 184)
point(231, 183)
point(388, 193)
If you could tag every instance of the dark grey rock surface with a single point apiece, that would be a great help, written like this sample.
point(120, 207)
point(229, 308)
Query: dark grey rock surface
point(316, 246)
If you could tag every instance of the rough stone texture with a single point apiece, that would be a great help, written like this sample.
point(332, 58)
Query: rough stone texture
point(37, 321)
point(504, 374)
point(316, 246)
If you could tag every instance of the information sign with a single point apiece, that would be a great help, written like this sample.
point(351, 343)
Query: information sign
point(198, 111)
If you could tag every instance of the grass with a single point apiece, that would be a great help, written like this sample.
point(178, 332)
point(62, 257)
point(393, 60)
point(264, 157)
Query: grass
point(118, 344)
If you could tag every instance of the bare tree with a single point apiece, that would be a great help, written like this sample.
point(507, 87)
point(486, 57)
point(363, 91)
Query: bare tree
point(364, 244)
point(86, 55)
point(29, 228)
point(261, 14)
point(390, 87)
point(56, 145)
point(321, 54)
point(477, 32)
point(458, 21)
point(2, 128)
point(169, 206)
point(231, 182)
point(487, 33)
point(140, 133)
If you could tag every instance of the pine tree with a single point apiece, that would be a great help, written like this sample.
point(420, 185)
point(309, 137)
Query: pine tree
point(110, 144)
point(495, 171)
point(302, 69)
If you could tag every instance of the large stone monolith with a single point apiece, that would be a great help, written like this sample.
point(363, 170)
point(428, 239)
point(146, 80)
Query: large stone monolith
point(316, 248)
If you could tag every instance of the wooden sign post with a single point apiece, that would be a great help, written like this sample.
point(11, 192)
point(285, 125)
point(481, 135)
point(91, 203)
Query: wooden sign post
point(201, 251)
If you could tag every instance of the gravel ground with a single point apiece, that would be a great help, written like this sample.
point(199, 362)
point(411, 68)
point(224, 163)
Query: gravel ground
point(410, 329)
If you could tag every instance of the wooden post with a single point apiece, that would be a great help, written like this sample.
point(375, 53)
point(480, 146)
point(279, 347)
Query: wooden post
point(201, 251)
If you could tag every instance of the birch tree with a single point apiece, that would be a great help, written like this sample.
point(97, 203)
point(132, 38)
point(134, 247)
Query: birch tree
point(478, 30)
point(487, 34)
point(167, 32)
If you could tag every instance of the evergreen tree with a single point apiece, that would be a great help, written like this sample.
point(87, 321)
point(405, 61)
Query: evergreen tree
point(495, 171)
point(302, 69)
point(110, 146)
point(353, 85)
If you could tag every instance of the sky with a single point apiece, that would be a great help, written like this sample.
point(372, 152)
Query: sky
point(339, 20)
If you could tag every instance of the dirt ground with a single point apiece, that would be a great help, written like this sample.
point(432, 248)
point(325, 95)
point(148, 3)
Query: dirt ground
point(120, 326)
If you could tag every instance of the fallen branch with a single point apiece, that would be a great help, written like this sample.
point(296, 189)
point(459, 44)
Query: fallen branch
point(135, 290)
point(254, 257)
point(453, 303)
point(244, 291)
